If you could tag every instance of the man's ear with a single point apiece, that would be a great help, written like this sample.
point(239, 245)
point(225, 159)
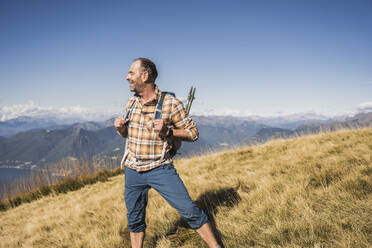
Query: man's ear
point(145, 76)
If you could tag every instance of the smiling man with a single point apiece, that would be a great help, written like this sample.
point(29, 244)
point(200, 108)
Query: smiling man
point(148, 160)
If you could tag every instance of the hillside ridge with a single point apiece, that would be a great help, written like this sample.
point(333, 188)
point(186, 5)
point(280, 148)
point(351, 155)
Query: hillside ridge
point(311, 191)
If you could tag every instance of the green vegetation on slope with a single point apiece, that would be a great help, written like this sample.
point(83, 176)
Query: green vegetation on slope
point(310, 191)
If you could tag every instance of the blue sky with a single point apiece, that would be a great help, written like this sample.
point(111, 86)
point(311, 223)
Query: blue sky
point(244, 57)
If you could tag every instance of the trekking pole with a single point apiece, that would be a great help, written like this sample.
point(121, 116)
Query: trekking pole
point(190, 99)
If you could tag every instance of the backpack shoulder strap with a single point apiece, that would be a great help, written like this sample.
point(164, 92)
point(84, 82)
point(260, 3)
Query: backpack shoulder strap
point(158, 110)
point(159, 105)
point(126, 117)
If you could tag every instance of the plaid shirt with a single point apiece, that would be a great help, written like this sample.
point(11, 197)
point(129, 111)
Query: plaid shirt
point(145, 148)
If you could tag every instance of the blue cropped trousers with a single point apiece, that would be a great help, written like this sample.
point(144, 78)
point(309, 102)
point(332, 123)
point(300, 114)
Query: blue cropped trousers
point(165, 180)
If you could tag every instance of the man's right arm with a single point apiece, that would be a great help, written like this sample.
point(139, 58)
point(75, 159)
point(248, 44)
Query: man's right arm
point(121, 126)
point(120, 123)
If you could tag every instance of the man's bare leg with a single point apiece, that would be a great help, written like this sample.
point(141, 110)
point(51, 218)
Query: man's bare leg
point(136, 239)
point(205, 232)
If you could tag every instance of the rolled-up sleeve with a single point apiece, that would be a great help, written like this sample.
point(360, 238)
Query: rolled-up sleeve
point(181, 120)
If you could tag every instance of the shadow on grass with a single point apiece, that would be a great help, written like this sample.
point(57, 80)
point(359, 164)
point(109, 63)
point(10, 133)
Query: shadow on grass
point(180, 232)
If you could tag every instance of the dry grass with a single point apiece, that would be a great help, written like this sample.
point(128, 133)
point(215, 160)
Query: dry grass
point(310, 191)
point(63, 185)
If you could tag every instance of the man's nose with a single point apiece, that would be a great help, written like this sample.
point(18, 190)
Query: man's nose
point(127, 77)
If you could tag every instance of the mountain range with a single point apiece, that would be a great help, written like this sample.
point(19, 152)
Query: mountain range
point(50, 142)
point(52, 121)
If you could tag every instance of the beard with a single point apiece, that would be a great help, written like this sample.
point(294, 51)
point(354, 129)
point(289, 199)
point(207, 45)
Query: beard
point(136, 86)
point(132, 87)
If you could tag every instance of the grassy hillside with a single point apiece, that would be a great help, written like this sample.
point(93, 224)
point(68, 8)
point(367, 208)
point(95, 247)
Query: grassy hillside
point(311, 191)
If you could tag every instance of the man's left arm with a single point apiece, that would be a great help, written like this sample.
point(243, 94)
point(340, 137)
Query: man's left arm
point(185, 128)
point(182, 134)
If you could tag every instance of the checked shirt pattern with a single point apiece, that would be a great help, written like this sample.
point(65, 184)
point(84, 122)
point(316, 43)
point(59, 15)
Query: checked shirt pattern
point(146, 149)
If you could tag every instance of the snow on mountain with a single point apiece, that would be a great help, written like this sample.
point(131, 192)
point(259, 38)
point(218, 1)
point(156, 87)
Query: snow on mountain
point(365, 107)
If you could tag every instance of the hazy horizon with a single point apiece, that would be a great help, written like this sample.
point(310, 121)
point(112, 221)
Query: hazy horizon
point(78, 113)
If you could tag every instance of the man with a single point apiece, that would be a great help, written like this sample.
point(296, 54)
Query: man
point(147, 161)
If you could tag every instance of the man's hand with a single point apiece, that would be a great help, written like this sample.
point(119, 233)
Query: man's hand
point(159, 126)
point(120, 124)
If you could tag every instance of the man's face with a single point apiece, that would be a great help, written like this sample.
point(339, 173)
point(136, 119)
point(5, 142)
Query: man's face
point(136, 77)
